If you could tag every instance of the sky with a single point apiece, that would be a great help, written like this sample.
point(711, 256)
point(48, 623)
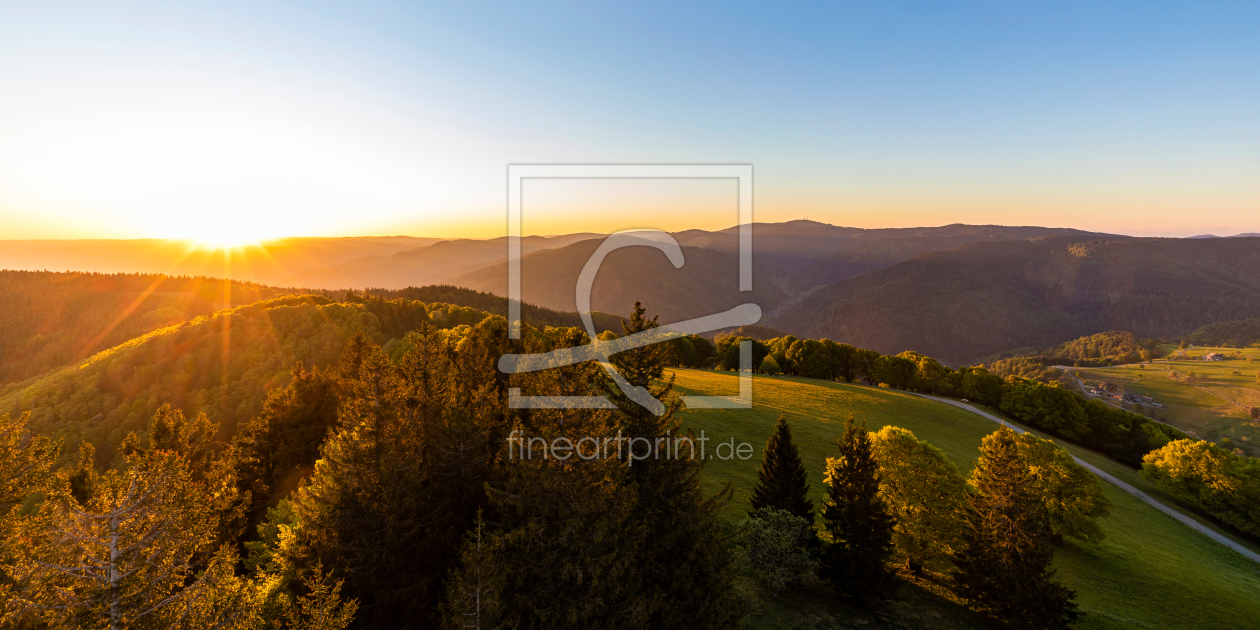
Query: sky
point(230, 122)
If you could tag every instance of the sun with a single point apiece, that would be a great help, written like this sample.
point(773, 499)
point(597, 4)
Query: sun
point(225, 242)
point(225, 233)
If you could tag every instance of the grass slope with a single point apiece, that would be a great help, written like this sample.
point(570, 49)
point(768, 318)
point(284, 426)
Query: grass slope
point(1150, 572)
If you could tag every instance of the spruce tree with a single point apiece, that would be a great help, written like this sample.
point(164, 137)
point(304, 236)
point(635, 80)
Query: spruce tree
point(782, 482)
point(685, 571)
point(859, 522)
point(400, 479)
point(1003, 569)
point(83, 479)
point(563, 548)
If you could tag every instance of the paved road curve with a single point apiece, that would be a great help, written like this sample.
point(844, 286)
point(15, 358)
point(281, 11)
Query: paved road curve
point(1246, 553)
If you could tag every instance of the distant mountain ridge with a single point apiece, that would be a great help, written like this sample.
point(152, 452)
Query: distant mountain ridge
point(273, 262)
point(789, 260)
point(959, 292)
point(983, 298)
point(435, 263)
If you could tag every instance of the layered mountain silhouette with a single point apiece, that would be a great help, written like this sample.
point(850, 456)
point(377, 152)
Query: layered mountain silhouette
point(437, 263)
point(956, 292)
point(982, 298)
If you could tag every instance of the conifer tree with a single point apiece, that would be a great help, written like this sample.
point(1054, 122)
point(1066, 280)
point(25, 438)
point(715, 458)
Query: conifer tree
point(671, 513)
point(194, 441)
point(1003, 568)
point(782, 482)
point(26, 462)
point(858, 520)
point(400, 480)
point(83, 479)
point(287, 434)
point(563, 549)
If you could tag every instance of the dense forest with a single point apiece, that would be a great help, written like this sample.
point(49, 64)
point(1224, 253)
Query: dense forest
point(55, 319)
point(535, 316)
point(222, 365)
point(1240, 334)
point(1100, 350)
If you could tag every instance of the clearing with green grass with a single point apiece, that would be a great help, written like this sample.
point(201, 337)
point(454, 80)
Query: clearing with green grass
point(1150, 572)
point(1203, 398)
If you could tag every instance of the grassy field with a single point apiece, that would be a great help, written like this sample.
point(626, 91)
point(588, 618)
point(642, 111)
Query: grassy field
point(1204, 408)
point(1150, 572)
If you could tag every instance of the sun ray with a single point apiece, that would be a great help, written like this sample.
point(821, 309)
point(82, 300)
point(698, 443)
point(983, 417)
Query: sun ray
point(134, 305)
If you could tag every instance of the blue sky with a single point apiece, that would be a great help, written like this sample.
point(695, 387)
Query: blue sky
point(273, 119)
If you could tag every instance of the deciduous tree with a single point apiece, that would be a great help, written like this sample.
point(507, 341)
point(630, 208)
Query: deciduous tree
point(925, 493)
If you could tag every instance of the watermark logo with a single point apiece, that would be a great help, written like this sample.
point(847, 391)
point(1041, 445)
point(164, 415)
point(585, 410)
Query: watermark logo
point(522, 446)
point(598, 350)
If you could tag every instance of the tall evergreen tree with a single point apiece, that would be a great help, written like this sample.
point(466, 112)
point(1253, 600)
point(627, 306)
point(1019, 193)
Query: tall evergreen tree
point(858, 520)
point(401, 478)
point(286, 436)
point(562, 551)
point(672, 514)
point(1003, 569)
point(782, 482)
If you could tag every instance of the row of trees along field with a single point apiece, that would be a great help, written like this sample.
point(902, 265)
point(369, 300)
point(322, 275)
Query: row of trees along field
point(1202, 477)
point(1215, 482)
point(891, 496)
point(413, 514)
point(1124, 436)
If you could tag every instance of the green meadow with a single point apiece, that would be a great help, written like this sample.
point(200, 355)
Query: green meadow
point(1212, 407)
point(1150, 572)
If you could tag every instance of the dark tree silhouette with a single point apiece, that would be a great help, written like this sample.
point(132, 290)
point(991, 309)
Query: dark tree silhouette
point(861, 528)
point(782, 482)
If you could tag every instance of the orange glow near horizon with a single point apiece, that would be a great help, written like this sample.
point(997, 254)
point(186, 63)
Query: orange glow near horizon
point(569, 206)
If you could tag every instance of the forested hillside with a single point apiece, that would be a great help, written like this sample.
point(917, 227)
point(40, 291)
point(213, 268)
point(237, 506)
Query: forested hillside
point(536, 316)
point(1109, 348)
point(985, 298)
point(221, 364)
point(1239, 334)
point(54, 319)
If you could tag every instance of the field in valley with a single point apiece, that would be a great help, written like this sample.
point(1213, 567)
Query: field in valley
point(1211, 407)
point(1150, 572)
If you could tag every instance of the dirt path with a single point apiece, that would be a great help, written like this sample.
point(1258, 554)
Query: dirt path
point(1145, 498)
